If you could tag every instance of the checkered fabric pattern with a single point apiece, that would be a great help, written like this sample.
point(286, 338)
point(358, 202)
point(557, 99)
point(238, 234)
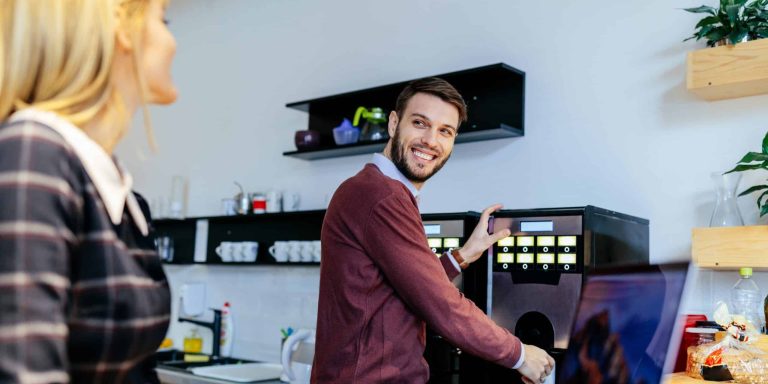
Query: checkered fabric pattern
point(81, 300)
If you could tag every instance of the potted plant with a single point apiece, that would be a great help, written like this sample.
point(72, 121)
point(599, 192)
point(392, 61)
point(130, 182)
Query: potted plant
point(752, 161)
point(733, 22)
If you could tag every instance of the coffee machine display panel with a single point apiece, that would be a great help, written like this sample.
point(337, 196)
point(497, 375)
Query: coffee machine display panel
point(539, 244)
point(444, 235)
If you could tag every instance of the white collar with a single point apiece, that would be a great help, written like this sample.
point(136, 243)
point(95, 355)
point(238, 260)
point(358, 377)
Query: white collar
point(388, 168)
point(111, 180)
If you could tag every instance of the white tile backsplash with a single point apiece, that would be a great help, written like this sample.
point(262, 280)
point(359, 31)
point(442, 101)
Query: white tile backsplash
point(264, 299)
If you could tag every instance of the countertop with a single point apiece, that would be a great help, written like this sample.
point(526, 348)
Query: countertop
point(681, 378)
point(176, 376)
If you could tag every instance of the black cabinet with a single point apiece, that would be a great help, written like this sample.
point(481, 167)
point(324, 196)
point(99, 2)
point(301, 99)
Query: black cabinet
point(266, 229)
point(495, 97)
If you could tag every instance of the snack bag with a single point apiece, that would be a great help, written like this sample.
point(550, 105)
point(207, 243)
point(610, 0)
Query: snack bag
point(732, 358)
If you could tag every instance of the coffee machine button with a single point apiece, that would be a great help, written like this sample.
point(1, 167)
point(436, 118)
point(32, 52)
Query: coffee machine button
point(525, 266)
point(545, 266)
point(567, 267)
point(505, 266)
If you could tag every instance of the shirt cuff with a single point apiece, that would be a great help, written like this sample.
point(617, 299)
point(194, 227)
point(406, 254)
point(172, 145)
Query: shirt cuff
point(521, 359)
point(453, 261)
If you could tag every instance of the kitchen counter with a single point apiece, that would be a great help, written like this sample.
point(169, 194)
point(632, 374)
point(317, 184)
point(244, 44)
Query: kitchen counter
point(681, 378)
point(177, 376)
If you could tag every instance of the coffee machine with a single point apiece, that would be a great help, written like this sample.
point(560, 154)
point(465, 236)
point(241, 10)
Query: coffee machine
point(446, 231)
point(530, 282)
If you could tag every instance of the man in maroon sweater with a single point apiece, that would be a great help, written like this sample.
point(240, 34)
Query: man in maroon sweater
point(380, 282)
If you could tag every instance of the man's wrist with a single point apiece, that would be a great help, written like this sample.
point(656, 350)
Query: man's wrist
point(456, 254)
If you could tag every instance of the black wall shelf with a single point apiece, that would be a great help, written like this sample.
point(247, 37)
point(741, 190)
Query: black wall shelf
point(264, 228)
point(495, 97)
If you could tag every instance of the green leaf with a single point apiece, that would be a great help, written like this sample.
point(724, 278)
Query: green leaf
point(754, 189)
point(701, 9)
point(733, 13)
point(722, 16)
point(709, 20)
point(715, 35)
point(764, 210)
point(760, 199)
point(745, 167)
point(704, 31)
point(737, 35)
point(754, 156)
point(765, 143)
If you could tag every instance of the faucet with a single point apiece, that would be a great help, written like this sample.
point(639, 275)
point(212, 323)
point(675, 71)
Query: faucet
point(214, 326)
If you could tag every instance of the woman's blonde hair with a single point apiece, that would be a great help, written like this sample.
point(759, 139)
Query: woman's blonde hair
point(57, 56)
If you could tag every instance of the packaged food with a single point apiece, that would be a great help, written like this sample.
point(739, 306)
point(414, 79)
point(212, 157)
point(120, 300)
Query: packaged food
point(735, 357)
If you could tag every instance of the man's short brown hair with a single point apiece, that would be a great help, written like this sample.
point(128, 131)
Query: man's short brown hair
point(436, 87)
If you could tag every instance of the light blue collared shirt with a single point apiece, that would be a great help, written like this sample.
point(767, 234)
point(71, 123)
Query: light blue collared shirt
point(388, 168)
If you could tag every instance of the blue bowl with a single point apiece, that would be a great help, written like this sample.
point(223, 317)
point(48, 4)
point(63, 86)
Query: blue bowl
point(344, 136)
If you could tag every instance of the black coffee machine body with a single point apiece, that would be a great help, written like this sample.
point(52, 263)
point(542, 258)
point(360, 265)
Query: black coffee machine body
point(530, 282)
point(446, 231)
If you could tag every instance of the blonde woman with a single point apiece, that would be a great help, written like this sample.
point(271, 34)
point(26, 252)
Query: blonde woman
point(83, 297)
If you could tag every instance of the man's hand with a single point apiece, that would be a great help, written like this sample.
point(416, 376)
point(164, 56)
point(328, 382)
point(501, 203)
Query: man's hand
point(536, 366)
point(479, 241)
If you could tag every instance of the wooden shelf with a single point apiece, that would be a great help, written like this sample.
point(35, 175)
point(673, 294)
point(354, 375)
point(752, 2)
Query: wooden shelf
point(729, 71)
point(495, 97)
point(731, 247)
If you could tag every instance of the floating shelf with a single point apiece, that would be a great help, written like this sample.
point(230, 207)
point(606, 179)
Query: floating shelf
point(262, 228)
point(729, 71)
point(363, 148)
point(731, 248)
point(495, 97)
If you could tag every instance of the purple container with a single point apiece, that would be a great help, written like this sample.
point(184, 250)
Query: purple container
point(306, 139)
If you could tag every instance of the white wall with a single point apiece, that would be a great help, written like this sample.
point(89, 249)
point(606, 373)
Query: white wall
point(608, 119)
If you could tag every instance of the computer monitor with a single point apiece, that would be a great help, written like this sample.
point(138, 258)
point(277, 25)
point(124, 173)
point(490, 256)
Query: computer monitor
point(625, 325)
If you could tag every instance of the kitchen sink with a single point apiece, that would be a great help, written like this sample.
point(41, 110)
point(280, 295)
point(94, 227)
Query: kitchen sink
point(169, 355)
point(174, 359)
point(172, 369)
point(188, 364)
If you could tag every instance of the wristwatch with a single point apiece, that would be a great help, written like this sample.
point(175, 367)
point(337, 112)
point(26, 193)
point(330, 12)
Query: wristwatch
point(457, 256)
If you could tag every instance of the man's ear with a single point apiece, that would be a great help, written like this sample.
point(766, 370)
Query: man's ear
point(392, 123)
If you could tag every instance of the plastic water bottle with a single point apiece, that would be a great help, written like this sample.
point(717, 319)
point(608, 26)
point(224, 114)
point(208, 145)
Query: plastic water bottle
point(745, 299)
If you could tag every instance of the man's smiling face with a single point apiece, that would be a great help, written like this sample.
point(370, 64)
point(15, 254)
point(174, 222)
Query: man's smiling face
point(422, 138)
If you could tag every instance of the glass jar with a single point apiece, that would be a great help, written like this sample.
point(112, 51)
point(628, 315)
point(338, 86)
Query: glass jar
point(726, 212)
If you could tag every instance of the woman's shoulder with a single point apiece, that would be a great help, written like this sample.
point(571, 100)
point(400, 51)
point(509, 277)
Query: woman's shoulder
point(31, 134)
point(32, 146)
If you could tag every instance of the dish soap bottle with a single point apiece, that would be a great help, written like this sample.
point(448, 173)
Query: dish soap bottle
point(227, 330)
point(193, 342)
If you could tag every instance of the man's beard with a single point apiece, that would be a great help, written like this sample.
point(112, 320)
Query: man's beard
point(399, 158)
